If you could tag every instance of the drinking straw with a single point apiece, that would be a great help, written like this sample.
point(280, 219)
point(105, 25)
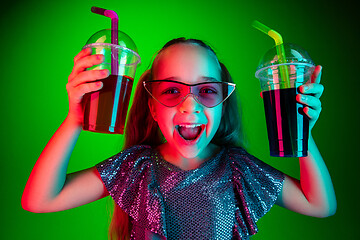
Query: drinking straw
point(284, 73)
point(114, 34)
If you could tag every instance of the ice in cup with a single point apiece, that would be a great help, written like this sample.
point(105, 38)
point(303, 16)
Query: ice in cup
point(105, 110)
point(287, 125)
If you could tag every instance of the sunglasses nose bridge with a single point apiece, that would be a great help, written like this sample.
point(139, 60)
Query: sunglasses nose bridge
point(188, 93)
point(193, 96)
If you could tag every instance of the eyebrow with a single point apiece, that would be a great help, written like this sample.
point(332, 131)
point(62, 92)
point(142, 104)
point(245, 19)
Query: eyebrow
point(170, 78)
point(206, 79)
point(210, 79)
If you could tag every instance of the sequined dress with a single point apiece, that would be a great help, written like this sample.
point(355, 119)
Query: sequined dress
point(222, 199)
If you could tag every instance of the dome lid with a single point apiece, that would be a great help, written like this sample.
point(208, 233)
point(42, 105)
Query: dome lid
point(295, 55)
point(104, 37)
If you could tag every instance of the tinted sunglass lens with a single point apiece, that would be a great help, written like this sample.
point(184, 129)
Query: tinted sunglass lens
point(171, 93)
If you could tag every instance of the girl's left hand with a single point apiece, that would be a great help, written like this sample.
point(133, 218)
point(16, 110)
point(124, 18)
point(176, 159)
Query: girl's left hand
point(310, 94)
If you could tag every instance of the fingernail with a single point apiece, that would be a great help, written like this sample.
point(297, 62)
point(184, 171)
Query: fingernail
point(305, 88)
point(303, 97)
point(100, 57)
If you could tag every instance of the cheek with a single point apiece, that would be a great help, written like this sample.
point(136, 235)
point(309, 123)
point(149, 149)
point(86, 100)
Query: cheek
point(214, 119)
point(158, 111)
point(164, 117)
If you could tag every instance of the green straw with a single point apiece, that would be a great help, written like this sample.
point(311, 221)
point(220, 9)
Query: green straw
point(284, 73)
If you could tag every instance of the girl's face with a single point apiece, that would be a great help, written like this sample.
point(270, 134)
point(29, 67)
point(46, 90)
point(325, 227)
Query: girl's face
point(189, 126)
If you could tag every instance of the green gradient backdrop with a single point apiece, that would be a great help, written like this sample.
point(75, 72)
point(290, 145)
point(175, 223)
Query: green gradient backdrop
point(40, 39)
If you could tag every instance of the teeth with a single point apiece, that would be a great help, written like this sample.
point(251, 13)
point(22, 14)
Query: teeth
point(190, 125)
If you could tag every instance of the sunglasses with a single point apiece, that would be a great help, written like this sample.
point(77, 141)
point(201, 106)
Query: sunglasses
point(171, 93)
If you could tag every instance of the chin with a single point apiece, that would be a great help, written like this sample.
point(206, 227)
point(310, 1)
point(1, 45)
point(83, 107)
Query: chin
point(189, 152)
point(193, 150)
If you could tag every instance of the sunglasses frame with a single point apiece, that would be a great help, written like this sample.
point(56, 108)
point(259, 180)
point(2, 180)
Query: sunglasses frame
point(190, 93)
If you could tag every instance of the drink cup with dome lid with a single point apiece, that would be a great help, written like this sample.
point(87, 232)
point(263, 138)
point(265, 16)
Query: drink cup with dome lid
point(281, 71)
point(105, 110)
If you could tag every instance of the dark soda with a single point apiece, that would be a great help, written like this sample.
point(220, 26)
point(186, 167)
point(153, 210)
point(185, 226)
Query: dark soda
point(287, 125)
point(105, 110)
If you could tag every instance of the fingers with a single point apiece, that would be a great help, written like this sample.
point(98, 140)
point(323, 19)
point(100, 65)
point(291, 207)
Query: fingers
point(312, 114)
point(310, 94)
point(315, 89)
point(84, 83)
point(310, 101)
point(83, 61)
point(89, 76)
point(76, 93)
point(82, 53)
point(81, 82)
point(312, 107)
point(86, 88)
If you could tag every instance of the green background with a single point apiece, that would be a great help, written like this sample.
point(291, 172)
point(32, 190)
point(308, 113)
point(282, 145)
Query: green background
point(40, 39)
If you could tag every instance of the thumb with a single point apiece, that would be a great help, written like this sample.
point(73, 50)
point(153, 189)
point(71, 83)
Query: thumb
point(316, 76)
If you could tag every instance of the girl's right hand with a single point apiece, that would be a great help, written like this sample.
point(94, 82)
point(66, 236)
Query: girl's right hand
point(81, 82)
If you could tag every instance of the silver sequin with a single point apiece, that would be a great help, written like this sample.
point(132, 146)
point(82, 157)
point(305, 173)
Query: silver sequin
point(222, 199)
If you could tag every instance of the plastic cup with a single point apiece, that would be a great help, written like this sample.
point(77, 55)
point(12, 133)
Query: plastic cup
point(287, 125)
point(105, 110)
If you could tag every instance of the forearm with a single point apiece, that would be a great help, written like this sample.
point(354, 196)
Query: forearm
point(316, 182)
point(49, 173)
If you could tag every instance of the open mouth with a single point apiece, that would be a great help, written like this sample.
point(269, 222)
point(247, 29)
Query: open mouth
point(190, 132)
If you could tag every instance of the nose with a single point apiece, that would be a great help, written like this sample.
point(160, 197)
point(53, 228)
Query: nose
point(190, 105)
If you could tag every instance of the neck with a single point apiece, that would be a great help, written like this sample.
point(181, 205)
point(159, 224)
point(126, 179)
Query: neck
point(175, 158)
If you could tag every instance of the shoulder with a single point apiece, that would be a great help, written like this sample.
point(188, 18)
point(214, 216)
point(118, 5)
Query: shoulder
point(132, 157)
point(256, 186)
point(249, 168)
point(240, 157)
point(126, 168)
point(135, 150)
point(132, 152)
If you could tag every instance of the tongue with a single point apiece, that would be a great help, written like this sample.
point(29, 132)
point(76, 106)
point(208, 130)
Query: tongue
point(189, 133)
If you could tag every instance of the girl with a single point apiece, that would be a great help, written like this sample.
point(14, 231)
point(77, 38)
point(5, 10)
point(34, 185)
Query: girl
point(181, 174)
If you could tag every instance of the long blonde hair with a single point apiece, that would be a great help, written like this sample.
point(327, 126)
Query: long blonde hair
point(141, 129)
